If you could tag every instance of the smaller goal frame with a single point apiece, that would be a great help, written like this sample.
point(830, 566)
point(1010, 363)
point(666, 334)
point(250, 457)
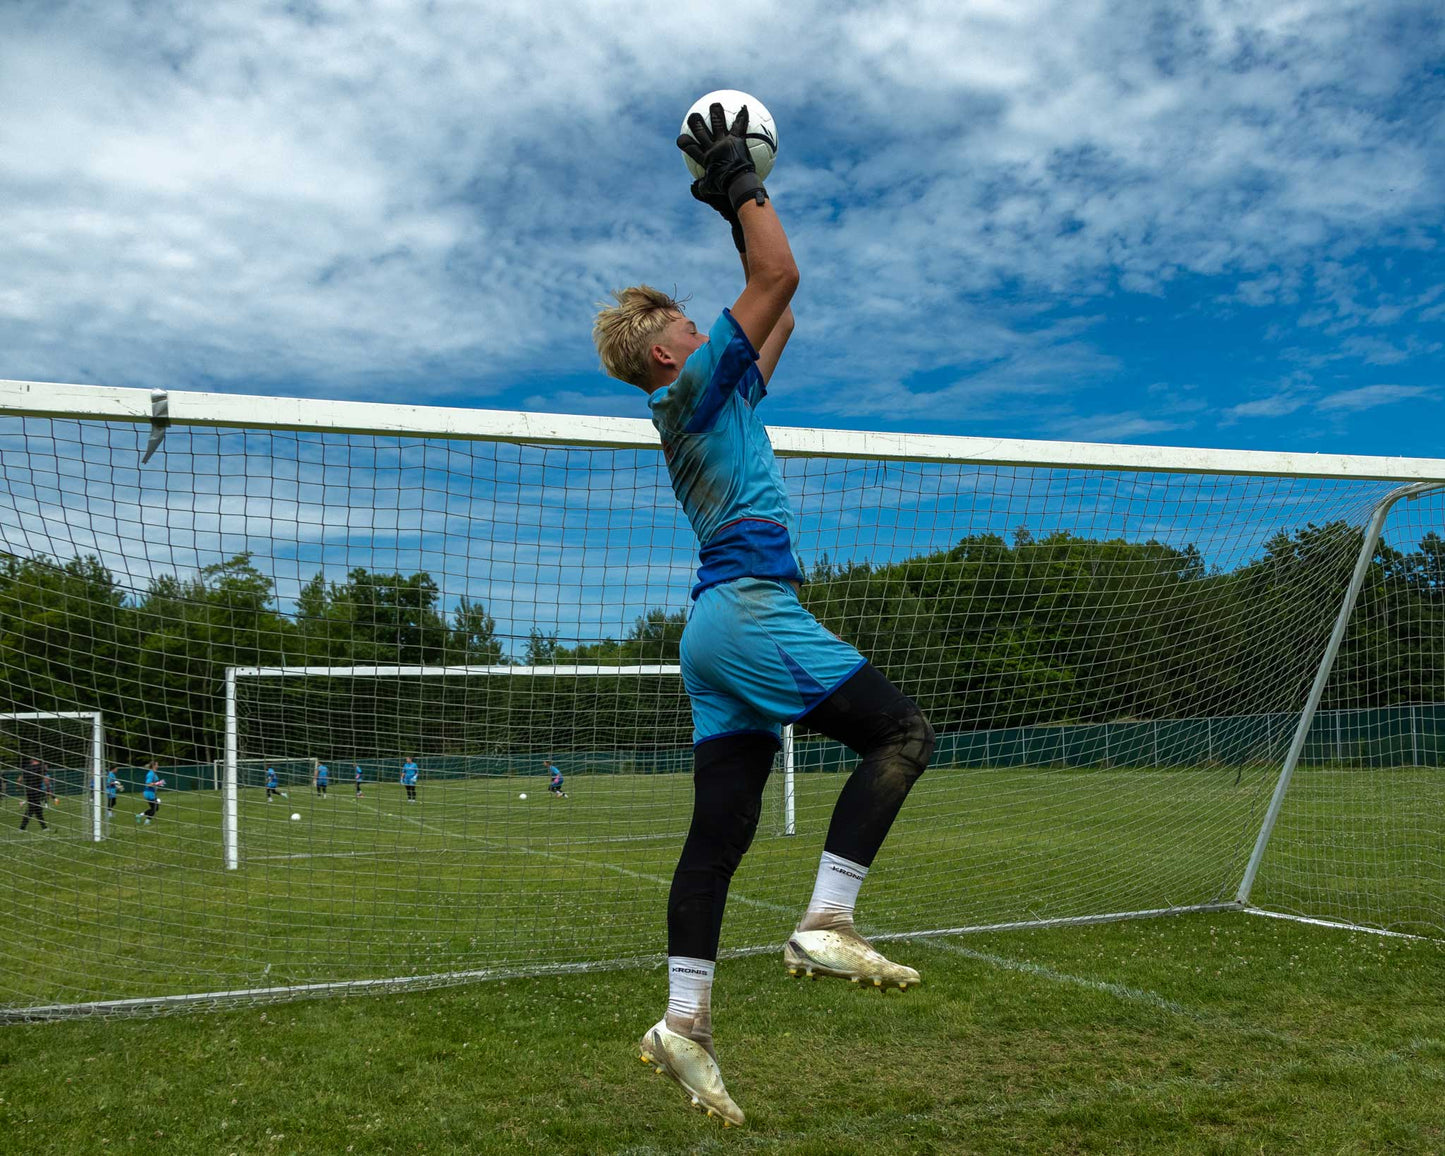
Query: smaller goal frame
point(230, 822)
point(96, 756)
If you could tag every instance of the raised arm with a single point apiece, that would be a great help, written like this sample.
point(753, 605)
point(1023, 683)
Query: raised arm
point(772, 277)
point(730, 185)
point(772, 348)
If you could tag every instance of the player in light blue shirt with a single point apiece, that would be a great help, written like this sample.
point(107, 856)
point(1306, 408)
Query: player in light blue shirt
point(113, 787)
point(555, 783)
point(150, 792)
point(752, 657)
point(322, 778)
point(358, 780)
point(409, 771)
point(273, 785)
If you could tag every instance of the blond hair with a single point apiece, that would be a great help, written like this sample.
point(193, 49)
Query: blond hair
point(624, 333)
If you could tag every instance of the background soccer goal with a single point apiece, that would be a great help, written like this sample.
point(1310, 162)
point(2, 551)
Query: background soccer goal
point(71, 745)
point(618, 720)
point(1163, 680)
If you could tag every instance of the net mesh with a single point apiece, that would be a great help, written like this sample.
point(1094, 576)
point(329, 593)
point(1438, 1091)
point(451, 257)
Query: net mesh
point(1115, 663)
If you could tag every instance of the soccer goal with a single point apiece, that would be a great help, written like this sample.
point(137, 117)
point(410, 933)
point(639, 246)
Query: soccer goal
point(251, 773)
point(1163, 681)
point(438, 716)
point(71, 746)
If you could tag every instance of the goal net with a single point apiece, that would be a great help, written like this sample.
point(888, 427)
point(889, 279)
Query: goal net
point(1162, 681)
point(473, 734)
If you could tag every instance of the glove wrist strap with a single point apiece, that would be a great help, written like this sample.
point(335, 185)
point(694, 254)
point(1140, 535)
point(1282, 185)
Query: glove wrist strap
point(746, 187)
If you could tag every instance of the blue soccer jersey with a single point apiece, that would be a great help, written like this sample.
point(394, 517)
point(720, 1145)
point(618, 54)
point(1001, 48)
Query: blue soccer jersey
point(408, 774)
point(322, 774)
point(112, 784)
point(270, 777)
point(752, 656)
point(721, 462)
point(152, 779)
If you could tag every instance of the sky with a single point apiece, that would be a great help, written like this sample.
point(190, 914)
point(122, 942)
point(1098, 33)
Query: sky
point(1206, 223)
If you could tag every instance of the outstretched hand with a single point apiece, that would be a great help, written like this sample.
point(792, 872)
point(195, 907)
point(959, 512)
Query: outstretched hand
point(729, 174)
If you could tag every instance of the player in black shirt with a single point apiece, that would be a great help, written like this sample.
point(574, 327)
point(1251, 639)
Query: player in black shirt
point(32, 781)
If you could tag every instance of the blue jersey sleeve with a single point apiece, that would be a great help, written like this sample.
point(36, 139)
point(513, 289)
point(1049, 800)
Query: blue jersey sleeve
point(726, 364)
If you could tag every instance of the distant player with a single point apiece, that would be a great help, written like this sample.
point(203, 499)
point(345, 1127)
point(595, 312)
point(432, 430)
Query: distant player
point(753, 658)
point(555, 785)
point(273, 785)
point(358, 780)
point(113, 787)
point(150, 792)
point(409, 771)
point(321, 778)
point(32, 783)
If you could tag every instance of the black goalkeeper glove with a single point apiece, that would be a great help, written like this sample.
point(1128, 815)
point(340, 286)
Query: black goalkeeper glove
point(728, 169)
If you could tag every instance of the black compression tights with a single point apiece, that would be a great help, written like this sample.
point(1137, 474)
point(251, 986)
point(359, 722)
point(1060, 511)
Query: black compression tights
point(867, 713)
point(727, 784)
point(885, 728)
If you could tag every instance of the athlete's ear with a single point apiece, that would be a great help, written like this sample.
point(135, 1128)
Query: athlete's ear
point(662, 356)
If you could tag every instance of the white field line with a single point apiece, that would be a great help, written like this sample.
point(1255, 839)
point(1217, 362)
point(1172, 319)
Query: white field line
point(321, 855)
point(1338, 925)
point(575, 861)
point(1140, 996)
point(1024, 967)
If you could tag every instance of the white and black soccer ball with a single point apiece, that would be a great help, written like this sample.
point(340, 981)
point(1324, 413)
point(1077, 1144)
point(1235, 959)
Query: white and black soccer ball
point(762, 132)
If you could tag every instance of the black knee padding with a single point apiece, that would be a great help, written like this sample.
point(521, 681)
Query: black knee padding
point(873, 717)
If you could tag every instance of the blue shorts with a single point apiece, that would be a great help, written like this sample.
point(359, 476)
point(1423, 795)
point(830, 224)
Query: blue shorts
point(753, 659)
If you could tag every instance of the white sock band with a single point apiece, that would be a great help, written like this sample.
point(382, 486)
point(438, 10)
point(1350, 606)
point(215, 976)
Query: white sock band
point(689, 986)
point(836, 890)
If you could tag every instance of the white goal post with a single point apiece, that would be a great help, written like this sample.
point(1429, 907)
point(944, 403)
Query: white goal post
point(94, 755)
point(1163, 680)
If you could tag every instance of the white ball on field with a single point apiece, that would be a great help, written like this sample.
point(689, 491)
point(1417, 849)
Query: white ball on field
point(296, 816)
point(762, 133)
point(523, 795)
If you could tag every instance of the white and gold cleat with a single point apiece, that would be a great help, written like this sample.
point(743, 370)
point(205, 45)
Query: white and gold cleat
point(847, 955)
point(694, 1069)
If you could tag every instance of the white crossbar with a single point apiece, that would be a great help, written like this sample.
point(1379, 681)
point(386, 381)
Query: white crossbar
point(243, 411)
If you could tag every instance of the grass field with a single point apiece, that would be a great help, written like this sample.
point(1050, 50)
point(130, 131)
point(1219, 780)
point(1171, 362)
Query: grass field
point(1199, 1033)
point(473, 878)
point(1208, 1032)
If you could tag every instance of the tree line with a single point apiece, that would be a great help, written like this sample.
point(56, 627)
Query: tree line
point(988, 633)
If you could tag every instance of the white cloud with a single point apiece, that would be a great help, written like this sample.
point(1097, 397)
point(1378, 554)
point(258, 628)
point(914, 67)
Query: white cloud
point(1116, 427)
point(1370, 396)
point(427, 199)
point(1277, 405)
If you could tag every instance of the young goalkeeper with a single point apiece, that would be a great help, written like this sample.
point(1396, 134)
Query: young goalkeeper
point(113, 787)
point(554, 782)
point(752, 657)
point(151, 794)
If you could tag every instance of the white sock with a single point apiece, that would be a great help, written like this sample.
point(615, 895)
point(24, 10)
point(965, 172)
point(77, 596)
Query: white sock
point(689, 987)
point(836, 891)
